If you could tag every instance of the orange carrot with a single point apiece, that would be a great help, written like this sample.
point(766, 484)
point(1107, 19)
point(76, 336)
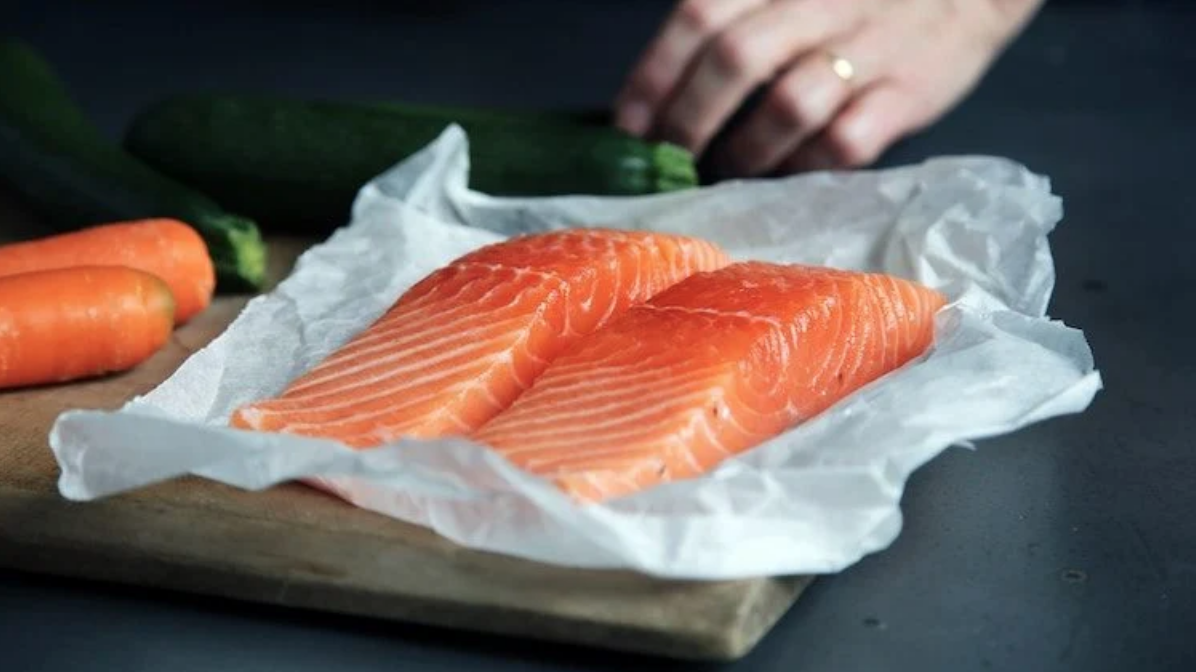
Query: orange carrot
point(70, 323)
point(166, 248)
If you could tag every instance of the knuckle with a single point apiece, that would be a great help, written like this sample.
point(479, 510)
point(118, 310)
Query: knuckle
point(920, 102)
point(683, 135)
point(677, 127)
point(650, 80)
point(831, 7)
point(922, 108)
point(991, 22)
point(698, 15)
point(732, 52)
point(848, 145)
point(789, 109)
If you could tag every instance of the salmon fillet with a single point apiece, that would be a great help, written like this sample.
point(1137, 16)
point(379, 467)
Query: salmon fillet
point(460, 345)
point(707, 369)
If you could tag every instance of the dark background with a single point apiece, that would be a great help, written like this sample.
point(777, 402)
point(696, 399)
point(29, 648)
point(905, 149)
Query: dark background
point(1065, 546)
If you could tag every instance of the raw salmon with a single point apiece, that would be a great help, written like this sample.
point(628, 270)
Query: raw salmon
point(707, 369)
point(464, 342)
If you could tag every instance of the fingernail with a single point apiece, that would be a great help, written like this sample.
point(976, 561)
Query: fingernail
point(634, 117)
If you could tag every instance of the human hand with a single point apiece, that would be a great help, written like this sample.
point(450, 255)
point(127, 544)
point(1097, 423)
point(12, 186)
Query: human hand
point(844, 79)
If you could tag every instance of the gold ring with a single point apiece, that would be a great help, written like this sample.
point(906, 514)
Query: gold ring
point(842, 67)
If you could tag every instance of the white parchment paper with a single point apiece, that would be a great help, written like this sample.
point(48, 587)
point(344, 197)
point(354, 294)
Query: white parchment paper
point(813, 500)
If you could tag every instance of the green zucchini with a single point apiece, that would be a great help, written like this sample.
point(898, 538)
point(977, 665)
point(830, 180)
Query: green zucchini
point(300, 163)
point(73, 176)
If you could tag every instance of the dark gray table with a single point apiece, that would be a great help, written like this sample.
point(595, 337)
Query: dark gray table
point(1070, 545)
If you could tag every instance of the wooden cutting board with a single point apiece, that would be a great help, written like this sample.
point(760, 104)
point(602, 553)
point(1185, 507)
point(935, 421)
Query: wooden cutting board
point(298, 547)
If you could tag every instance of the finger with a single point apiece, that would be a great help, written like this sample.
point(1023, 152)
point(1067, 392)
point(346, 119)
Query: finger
point(801, 102)
point(810, 94)
point(747, 53)
point(806, 97)
point(862, 131)
point(665, 59)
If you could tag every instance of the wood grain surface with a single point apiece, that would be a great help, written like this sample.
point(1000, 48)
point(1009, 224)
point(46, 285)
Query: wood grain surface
point(295, 546)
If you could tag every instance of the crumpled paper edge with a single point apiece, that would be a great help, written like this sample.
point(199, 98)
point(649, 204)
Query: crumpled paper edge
point(433, 495)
